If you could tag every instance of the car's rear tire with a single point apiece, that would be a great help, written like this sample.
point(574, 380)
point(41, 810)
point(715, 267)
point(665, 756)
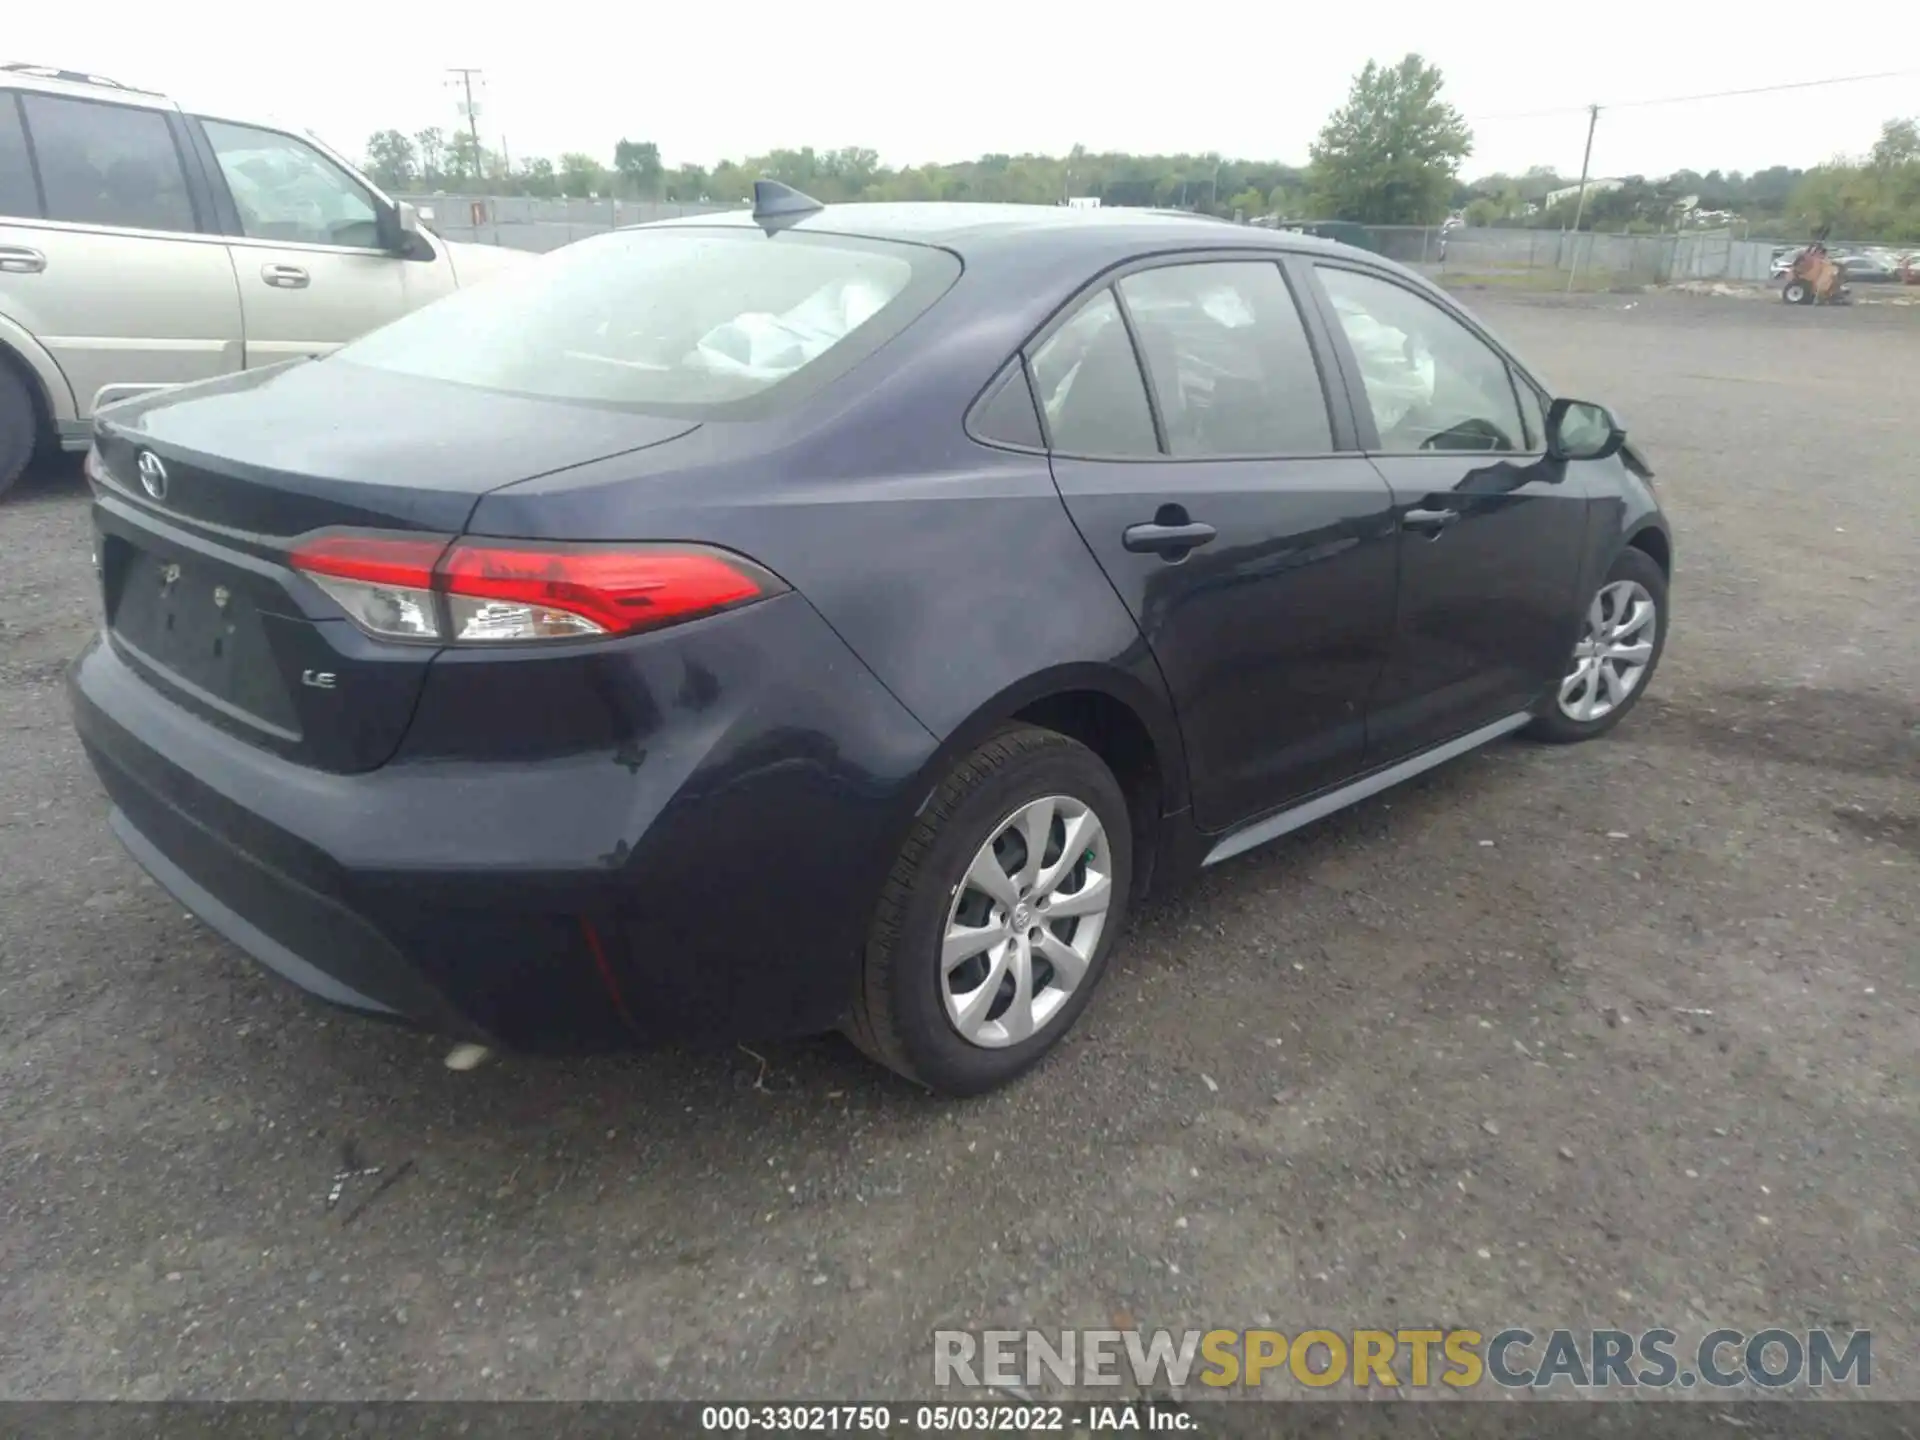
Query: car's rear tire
point(1623, 635)
point(967, 983)
point(19, 427)
point(1797, 292)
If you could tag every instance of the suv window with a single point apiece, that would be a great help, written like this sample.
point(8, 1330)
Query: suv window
point(105, 164)
point(1431, 383)
point(1090, 388)
point(1229, 360)
point(17, 193)
point(286, 190)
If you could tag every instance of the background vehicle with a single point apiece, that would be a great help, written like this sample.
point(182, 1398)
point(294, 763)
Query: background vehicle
point(142, 245)
point(765, 623)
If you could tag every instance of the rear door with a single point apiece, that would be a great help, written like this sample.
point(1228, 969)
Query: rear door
point(309, 257)
point(105, 257)
point(1491, 532)
point(1225, 501)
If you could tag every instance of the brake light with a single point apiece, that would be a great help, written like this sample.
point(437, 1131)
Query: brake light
point(502, 591)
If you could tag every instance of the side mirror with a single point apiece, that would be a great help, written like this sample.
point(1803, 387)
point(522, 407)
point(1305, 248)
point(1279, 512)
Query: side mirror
point(1581, 430)
point(410, 219)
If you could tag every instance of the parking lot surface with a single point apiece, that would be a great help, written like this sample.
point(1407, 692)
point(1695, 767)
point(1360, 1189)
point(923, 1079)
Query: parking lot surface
point(1620, 1034)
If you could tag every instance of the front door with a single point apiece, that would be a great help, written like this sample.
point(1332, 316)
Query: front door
point(312, 271)
point(1254, 549)
point(103, 258)
point(1491, 530)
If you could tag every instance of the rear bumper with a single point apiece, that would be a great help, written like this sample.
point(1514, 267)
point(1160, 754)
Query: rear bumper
point(699, 860)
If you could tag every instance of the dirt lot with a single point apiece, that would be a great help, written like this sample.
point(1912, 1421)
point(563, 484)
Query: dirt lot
point(1622, 1034)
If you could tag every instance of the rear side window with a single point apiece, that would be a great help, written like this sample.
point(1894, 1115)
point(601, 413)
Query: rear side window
point(700, 322)
point(1229, 359)
point(1089, 385)
point(17, 193)
point(108, 164)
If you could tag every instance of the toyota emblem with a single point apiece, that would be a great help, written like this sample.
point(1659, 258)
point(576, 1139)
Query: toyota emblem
point(153, 475)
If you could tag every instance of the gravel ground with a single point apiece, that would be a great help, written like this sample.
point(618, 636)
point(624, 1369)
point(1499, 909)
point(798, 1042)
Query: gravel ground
point(1623, 1034)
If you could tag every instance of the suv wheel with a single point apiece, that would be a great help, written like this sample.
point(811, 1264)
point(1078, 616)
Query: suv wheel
point(19, 427)
point(997, 921)
point(1621, 641)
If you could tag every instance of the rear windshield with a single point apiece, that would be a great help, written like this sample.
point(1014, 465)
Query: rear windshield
point(710, 322)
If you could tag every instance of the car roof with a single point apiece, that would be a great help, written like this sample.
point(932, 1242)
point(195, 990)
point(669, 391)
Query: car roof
point(80, 84)
point(972, 228)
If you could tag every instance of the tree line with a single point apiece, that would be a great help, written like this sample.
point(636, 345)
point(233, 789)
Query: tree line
point(1390, 155)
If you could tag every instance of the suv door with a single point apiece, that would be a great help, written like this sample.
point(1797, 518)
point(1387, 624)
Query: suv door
point(110, 268)
point(313, 248)
point(1229, 509)
point(1491, 530)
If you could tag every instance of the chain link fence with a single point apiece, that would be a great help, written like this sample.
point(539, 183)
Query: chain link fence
point(1587, 258)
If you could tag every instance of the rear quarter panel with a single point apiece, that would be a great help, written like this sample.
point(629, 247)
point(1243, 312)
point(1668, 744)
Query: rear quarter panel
point(951, 568)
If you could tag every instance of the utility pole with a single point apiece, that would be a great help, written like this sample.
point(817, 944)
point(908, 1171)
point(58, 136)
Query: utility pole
point(1580, 203)
point(473, 116)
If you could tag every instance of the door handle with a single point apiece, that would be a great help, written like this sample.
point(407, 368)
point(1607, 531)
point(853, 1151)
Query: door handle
point(19, 260)
point(1428, 522)
point(287, 277)
point(1172, 541)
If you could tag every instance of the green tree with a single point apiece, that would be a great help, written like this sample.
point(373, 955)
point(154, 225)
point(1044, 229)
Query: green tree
point(391, 160)
point(537, 178)
point(689, 182)
point(1899, 144)
point(431, 144)
point(1390, 154)
point(581, 175)
point(465, 161)
point(637, 162)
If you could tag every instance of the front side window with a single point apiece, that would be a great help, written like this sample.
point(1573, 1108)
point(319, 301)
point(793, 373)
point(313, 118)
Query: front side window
point(1230, 361)
point(1089, 386)
point(683, 320)
point(1431, 383)
point(103, 164)
point(286, 190)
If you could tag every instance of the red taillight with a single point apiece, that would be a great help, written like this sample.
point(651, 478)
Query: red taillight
point(402, 560)
point(499, 590)
point(495, 591)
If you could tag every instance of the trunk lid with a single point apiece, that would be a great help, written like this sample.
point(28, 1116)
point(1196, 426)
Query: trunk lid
point(192, 548)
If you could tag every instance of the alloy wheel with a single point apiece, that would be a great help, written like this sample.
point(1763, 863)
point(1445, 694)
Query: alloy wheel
point(1025, 921)
point(1613, 654)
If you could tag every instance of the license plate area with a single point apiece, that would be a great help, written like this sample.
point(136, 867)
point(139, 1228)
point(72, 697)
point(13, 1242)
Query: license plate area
point(184, 619)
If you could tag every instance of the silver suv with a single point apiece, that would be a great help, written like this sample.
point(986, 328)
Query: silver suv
point(142, 245)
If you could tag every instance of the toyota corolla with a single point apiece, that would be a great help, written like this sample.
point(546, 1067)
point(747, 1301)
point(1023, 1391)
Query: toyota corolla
point(833, 617)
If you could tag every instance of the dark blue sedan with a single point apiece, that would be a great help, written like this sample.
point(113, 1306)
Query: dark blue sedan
point(833, 616)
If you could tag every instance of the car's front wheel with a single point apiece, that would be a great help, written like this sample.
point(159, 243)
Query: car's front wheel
point(999, 916)
point(1622, 637)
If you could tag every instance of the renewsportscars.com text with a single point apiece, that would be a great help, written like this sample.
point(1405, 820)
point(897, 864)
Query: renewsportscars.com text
point(1508, 1359)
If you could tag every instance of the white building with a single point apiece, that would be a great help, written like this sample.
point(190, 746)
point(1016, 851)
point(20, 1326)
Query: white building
point(1594, 187)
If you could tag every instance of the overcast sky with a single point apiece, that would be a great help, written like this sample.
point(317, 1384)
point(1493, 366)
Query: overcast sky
point(920, 83)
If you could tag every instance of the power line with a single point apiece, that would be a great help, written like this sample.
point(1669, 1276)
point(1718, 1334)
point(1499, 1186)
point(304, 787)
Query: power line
point(1709, 95)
